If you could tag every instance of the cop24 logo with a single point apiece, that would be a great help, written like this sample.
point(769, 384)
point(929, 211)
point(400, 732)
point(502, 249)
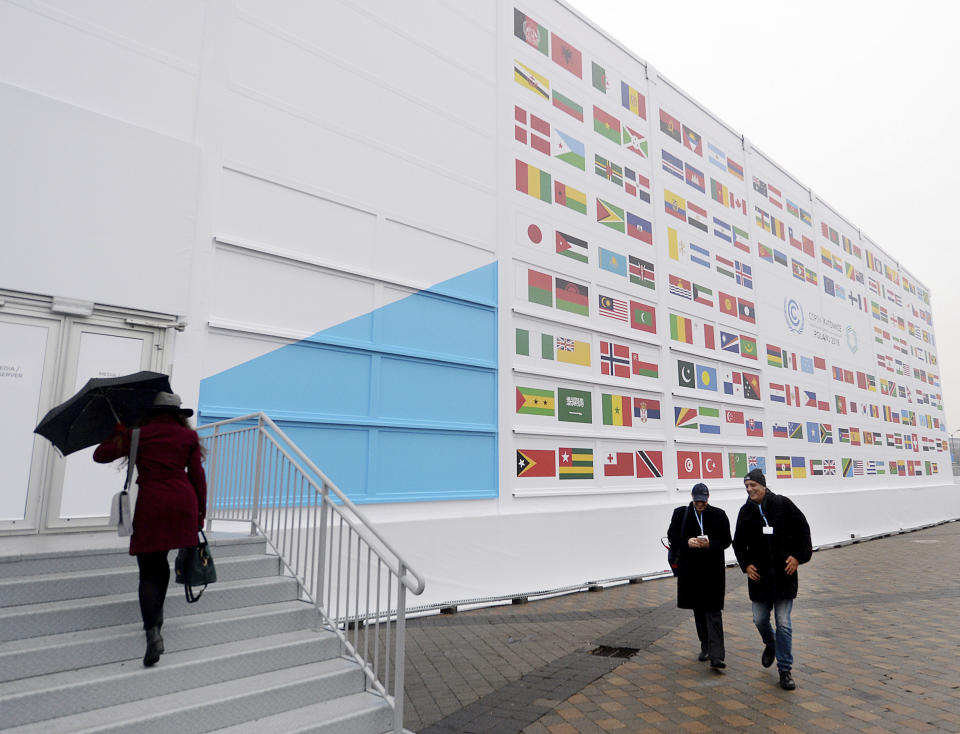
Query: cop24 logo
point(852, 339)
point(793, 314)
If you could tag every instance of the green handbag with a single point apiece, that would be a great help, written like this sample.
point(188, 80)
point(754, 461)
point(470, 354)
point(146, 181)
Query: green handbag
point(193, 568)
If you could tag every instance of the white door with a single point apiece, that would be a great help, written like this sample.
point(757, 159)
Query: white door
point(79, 490)
point(28, 372)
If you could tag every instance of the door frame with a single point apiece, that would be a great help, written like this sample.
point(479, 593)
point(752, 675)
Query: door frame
point(46, 468)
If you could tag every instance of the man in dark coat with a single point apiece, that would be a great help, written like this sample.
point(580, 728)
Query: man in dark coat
point(772, 539)
point(700, 534)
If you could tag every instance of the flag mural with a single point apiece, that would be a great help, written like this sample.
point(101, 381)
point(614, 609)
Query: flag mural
point(674, 289)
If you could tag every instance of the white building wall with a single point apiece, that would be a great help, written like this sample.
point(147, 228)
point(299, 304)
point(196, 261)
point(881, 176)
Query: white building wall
point(326, 194)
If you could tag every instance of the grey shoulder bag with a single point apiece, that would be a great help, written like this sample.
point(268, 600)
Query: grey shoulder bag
point(121, 513)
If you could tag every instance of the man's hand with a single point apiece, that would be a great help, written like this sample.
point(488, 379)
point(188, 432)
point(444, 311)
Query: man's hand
point(752, 573)
point(693, 542)
point(792, 564)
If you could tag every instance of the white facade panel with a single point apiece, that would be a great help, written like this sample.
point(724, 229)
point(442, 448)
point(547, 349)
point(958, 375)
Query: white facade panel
point(416, 255)
point(313, 299)
point(385, 63)
point(125, 73)
point(86, 194)
point(257, 211)
point(173, 30)
point(301, 151)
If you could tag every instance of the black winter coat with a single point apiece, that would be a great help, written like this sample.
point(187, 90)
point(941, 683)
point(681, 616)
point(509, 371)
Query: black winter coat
point(791, 537)
point(701, 578)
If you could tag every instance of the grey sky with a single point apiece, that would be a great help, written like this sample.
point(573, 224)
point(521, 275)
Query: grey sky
point(860, 101)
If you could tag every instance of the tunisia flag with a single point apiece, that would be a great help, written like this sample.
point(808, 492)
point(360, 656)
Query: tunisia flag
point(688, 464)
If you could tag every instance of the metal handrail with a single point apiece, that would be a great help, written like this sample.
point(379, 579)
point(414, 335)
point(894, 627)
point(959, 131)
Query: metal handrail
point(366, 525)
point(257, 474)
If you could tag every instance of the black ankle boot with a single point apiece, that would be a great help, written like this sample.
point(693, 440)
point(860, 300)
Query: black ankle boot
point(154, 647)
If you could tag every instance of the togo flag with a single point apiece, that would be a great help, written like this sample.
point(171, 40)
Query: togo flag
point(576, 463)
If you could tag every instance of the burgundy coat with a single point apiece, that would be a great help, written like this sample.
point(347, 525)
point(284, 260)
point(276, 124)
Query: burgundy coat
point(172, 499)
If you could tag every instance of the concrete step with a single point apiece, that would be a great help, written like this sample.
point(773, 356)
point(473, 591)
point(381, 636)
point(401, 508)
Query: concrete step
point(32, 564)
point(76, 691)
point(35, 620)
point(21, 659)
point(210, 707)
point(35, 589)
point(359, 713)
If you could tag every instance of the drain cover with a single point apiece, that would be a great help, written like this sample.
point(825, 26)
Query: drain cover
point(614, 652)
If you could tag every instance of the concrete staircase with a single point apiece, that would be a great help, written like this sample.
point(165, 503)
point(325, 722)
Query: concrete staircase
point(245, 658)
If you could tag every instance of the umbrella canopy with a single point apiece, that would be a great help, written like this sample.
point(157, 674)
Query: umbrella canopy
point(89, 416)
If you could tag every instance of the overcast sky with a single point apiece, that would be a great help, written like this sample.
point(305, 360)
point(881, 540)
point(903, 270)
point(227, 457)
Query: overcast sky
point(860, 101)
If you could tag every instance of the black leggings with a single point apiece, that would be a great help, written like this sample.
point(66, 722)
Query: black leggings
point(154, 578)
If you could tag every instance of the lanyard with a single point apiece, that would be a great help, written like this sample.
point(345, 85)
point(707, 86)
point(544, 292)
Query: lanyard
point(760, 507)
point(699, 520)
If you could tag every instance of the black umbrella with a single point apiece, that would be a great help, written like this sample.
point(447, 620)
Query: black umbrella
point(89, 416)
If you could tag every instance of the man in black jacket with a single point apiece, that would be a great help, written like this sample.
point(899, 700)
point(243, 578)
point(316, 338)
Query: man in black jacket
point(771, 540)
point(700, 534)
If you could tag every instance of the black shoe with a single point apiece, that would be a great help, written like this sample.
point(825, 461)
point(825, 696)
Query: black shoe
point(717, 664)
point(703, 656)
point(154, 647)
point(786, 681)
point(769, 655)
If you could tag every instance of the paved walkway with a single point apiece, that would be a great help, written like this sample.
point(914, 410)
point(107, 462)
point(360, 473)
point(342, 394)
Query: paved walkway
point(876, 643)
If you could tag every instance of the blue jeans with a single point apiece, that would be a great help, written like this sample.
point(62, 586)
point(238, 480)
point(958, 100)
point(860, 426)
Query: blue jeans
point(782, 641)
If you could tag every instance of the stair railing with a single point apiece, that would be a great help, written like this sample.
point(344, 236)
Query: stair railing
point(355, 579)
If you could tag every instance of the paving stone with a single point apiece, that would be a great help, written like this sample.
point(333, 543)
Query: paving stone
point(875, 641)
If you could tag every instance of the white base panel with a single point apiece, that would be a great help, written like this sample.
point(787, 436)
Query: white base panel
point(480, 557)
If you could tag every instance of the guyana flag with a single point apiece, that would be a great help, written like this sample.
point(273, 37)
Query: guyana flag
point(610, 215)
